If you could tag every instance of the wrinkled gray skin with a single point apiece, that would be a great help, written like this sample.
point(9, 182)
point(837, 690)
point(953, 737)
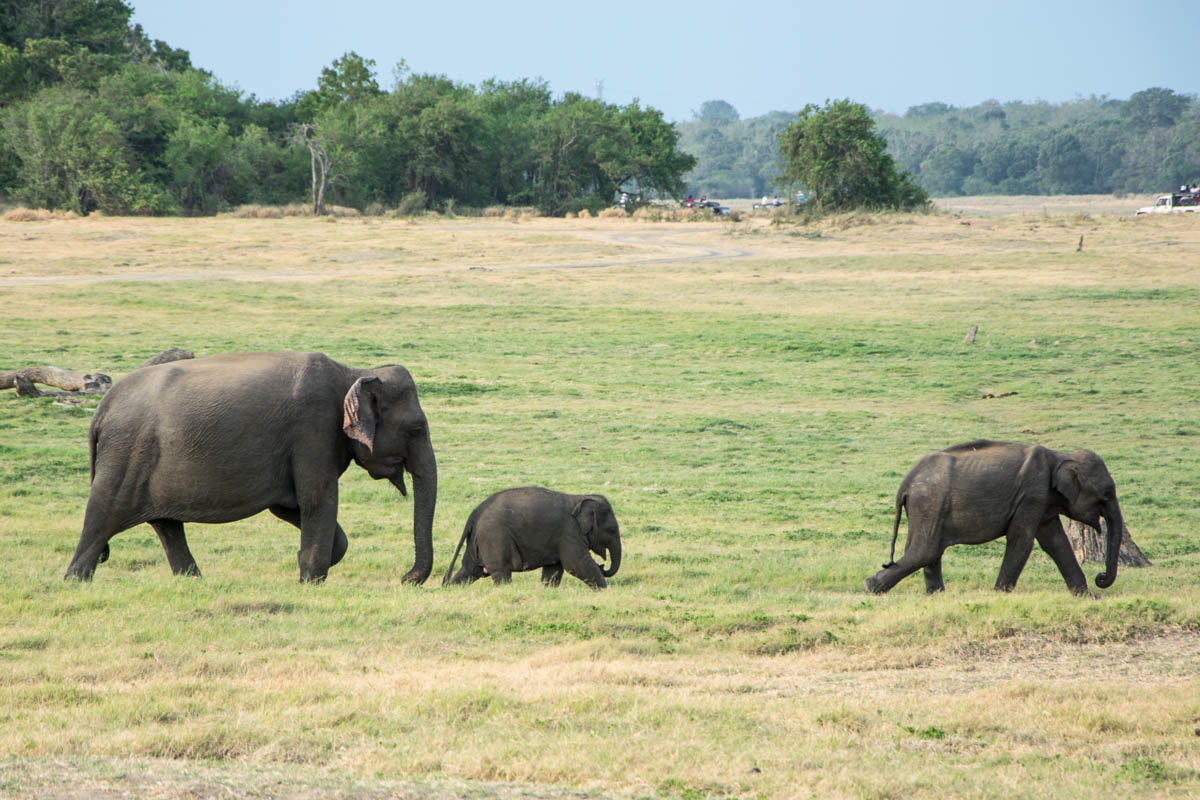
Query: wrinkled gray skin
point(523, 529)
point(221, 438)
point(979, 491)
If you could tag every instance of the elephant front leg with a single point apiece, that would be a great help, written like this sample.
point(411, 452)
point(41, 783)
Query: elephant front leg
point(575, 558)
point(318, 530)
point(174, 542)
point(340, 542)
point(1053, 539)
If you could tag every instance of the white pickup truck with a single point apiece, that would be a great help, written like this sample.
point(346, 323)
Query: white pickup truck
point(1175, 203)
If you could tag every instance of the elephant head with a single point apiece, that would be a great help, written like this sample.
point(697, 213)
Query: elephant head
point(599, 525)
point(389, 434)
point(1090, 493)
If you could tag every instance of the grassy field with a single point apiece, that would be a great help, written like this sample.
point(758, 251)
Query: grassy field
point(747, 395)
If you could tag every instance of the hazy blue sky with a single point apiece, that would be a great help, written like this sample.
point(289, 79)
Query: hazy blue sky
point(760, 56)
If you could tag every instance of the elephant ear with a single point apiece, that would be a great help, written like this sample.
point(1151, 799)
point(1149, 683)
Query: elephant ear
point(585, 514)
point(358, 419)
point(1066, 480)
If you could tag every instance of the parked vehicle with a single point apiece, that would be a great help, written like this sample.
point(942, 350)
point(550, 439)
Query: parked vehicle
point(1174, 203)
point(717, 208)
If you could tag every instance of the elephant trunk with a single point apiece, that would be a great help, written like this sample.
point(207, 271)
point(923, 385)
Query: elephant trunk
point(422, 466)
point(1116, 527)
point(614, 558)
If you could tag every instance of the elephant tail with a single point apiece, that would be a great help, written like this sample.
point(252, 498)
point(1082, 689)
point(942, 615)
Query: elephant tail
point(901, 500)
point(93, 434)
point(467, 529)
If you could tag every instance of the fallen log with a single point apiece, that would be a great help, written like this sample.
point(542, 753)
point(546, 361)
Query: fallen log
point(73, 382)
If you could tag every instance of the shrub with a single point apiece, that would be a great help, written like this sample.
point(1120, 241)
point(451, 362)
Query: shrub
point(412, 204)
point(22, 214)
point(585, 214)
point(494, 211)
point(255, 211)
point(612, 212)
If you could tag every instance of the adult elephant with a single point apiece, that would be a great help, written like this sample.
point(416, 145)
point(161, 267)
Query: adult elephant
point(221, 438)
point(979, 491)
point(522, 529)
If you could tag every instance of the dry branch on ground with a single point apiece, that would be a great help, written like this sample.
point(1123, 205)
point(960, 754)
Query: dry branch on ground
point(71, 382)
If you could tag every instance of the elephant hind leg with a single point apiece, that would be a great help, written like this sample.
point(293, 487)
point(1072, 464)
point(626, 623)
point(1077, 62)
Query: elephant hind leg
point(921, 550)
point(933, 577)
point(883, 581)
point(174, 542)
point(552, 574)
point(99, 526)
point(1016, 552)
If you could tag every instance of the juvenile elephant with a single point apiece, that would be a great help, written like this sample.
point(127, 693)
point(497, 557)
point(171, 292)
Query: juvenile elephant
point(221, 438)
point(979, 491)
point(523, 529)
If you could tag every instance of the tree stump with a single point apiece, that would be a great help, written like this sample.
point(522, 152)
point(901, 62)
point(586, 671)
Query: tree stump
point(1088, 544)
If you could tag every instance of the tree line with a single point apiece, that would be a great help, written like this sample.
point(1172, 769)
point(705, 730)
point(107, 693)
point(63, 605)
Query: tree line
point(95, 115)
point(1147, 143)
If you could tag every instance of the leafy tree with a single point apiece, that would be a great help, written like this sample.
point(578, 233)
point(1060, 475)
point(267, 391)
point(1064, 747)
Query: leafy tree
point(156, 53)
point(1155, 108)
point(654, 162)
point(946, 168)
point(277, 174)
point(717, 112)
point(348, 80)
point(203, 168)
point(16, 80)
point(929, 110)
point(510, 112)
point(99, 26)
point(580, 152)
point(834, 152)
point(1064, 166)
point(73, 156)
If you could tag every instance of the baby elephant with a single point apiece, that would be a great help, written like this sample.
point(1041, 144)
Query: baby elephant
point(979, 491)
point(523, 529)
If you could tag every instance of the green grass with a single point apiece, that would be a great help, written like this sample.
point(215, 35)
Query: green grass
point(750, 421)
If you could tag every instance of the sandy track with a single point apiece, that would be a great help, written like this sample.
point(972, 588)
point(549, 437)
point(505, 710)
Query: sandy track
point(646, 246)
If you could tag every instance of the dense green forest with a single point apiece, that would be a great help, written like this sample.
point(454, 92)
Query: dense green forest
point(1148, 143)
point(94, 115)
